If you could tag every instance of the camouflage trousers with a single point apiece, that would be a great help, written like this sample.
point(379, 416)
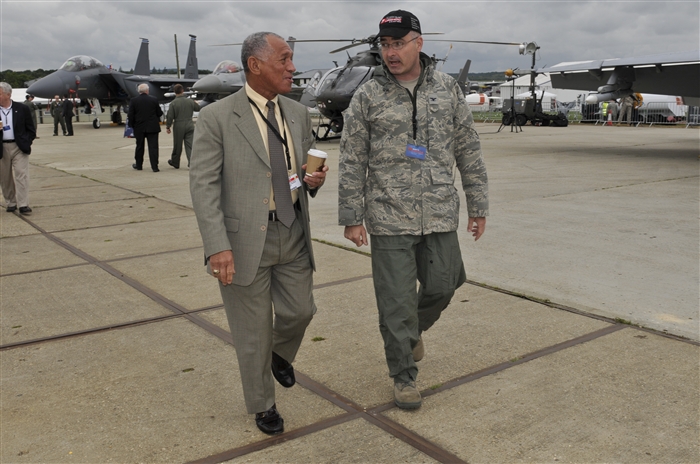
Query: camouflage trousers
point(398, 262)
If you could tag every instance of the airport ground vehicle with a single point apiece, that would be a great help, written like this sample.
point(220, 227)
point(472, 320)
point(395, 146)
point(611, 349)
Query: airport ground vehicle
point(520, 111)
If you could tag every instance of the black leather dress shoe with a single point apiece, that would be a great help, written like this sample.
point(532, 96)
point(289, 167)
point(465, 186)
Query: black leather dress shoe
point(170, 162)
point(156, 169)
point(282, 371)
point(25, 210)
point(11, 209)
point(136, 166)
point(270, 421)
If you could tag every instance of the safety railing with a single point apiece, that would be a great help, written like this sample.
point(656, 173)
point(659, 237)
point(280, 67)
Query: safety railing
point(648, 114)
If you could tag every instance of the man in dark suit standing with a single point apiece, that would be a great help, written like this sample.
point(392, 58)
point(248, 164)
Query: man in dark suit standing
point(144, 116)
point(68, 113)
point(18, 132)
point(248, 159)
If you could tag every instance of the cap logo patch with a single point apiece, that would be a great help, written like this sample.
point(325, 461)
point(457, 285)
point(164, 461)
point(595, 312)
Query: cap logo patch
point(391, 19)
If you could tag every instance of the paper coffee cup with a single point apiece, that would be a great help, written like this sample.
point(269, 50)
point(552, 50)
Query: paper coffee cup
point(315, 160)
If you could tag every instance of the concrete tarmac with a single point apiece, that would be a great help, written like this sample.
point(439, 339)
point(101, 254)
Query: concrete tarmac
point(575, 339)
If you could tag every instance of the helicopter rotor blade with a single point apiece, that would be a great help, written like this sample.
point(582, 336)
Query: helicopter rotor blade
point(362, 42)
point(354, 42)
point(474, 41)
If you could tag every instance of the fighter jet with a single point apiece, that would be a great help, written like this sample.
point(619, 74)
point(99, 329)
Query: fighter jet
point(676, 73)
point(228, 77)
point(86, 78)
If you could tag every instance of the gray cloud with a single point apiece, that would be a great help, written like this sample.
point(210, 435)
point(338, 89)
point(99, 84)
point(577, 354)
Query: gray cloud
point(39, 34)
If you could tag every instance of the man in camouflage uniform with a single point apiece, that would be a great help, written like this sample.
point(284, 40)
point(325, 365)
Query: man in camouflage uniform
point(180, 118)
point(56, 109)
point(405, 132)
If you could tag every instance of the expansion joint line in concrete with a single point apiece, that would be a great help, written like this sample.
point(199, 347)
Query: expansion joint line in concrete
point(352, 410)
point(375, 416)
point(583, 313)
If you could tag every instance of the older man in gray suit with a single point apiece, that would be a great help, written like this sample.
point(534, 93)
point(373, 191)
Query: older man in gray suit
point(248, 157)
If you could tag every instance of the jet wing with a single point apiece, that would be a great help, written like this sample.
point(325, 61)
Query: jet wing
point(675, 73)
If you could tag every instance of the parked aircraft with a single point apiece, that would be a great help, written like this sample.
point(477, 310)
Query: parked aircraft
point(95, 84)
point(676, 73)
point(228, 77)
point(334, 90)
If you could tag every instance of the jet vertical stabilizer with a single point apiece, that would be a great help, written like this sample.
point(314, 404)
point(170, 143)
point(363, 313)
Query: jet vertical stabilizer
point(143, 63)
point(191, 68)
point(462, 78)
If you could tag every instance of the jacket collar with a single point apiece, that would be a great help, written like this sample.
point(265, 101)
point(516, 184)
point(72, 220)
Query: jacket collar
point(249, 127)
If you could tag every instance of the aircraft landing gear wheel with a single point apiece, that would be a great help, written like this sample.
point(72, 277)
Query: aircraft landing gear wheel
point(520, 119)
point(96, 123)
point(116, 117)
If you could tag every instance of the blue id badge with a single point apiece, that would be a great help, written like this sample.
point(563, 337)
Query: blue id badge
point(416, 151)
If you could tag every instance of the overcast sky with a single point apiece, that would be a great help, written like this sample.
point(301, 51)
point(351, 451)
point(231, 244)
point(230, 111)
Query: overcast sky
point(43, 34)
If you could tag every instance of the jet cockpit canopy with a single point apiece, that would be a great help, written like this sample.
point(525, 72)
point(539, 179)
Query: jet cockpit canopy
point(227, 67)
point(81, 63)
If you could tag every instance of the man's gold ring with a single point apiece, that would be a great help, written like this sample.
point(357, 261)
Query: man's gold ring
point(216, 272)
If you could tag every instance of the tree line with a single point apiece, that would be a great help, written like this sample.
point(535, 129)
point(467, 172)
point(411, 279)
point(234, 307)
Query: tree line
point(17, 79)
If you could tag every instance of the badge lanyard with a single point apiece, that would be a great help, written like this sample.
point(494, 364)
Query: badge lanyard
point(6, 123)
point(283, 140)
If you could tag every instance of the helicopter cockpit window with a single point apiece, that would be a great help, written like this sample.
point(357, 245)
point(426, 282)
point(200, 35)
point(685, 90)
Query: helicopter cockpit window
point(227, 67)
point(315, 80)
point(352, 78)
point(328, 80)
point(80, 63)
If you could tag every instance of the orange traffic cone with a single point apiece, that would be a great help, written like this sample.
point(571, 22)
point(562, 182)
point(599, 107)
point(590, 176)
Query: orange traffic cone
point(609, 123)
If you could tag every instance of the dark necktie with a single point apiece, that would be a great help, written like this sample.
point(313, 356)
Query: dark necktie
point(280, 176)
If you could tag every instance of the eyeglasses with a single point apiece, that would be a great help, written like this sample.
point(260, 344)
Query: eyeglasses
point(398, 45)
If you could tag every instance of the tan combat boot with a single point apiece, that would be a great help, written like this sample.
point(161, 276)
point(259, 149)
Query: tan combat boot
point(406, 395)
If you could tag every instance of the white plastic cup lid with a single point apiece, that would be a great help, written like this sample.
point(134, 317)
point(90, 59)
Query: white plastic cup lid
point(317, 153)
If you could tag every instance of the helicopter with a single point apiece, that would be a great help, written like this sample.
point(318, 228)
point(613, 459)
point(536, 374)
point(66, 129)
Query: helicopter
point(332, 91)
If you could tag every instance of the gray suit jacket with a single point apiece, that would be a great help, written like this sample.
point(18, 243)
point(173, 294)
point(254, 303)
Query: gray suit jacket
point(230, 178)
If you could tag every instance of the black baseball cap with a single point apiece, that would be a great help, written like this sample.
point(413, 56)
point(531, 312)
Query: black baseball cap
point(398, 23)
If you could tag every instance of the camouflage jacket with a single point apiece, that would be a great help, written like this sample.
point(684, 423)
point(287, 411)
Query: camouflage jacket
point(395, 194)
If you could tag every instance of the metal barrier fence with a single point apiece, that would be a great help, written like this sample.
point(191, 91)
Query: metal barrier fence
point(649, 114)
point(44, 115)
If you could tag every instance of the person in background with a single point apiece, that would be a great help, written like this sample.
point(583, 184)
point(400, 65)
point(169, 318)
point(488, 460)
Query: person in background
point(29, 101)
point(56, 109)
point(68, 113)
point(18, 133)
point(179, 117)
point(144, 117)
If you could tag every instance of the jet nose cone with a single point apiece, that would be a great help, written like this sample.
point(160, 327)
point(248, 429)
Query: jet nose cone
point(47, 87)
point(208, 84)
